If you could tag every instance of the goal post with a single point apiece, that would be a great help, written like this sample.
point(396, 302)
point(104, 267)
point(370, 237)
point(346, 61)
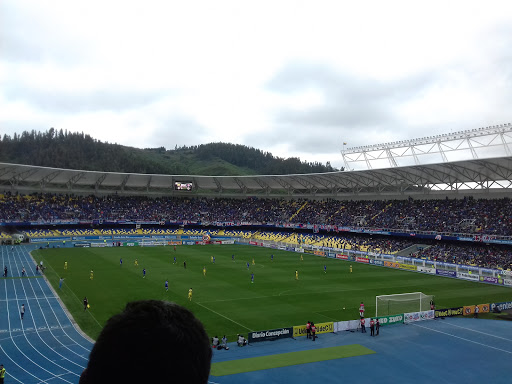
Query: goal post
point(386, 305)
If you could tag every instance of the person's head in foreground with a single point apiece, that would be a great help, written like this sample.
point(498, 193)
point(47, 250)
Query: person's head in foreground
point(151, 341)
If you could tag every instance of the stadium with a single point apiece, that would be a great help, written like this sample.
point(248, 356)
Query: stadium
point(418, 230)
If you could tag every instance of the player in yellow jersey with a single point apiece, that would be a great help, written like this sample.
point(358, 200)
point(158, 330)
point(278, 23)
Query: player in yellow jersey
point(92, 275)
point(296, 275)
point(136, 262)
point(211, 259)
point(351, 269)
point(301, 257)
point(253, 263)
point(204, 271)
point(65, 265)
point(190, 294)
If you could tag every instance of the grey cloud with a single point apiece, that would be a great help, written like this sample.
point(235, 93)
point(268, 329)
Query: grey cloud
point(81, 101)
point(177, 130)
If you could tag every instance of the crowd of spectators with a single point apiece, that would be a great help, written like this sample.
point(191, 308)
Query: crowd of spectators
point(485, 256)
point(468, 215)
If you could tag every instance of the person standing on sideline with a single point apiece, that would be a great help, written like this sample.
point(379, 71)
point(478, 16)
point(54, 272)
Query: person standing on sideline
point(2, 373)
point(22, 311)
point(313, 331)
point(60, 282)
point(166, 285)
point(23, 272)
point(363, 326)
point(377, 327)
point(372, 327)
point(361, 310)
point(86, 303)
point(477, 310)
point(5, 271)
point(224, 342)
point(308, 330)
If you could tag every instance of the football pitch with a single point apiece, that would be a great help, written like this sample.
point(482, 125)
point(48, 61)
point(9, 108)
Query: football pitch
point(224, 298)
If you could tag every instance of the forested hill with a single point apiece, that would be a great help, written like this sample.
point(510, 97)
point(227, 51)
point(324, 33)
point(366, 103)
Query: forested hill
point(62, 149)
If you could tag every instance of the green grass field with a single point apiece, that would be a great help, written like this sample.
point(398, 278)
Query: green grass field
point(225, 300)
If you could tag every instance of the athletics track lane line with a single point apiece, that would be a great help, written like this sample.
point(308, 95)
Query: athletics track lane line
point(16, 345)
point(25, 253)
point(462, 338)
point(474, 330)
point(40, 337)
point(49, 327)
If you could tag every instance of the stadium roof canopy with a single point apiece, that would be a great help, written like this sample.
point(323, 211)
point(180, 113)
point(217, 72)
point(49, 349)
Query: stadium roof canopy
point(491, 177)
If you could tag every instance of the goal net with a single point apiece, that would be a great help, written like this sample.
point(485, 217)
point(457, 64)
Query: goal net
point(386, 305)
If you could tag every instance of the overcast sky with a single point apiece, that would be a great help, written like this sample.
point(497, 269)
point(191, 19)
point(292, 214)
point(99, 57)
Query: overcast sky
point(294, 78)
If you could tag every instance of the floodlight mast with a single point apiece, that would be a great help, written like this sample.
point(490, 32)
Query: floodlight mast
point(421, 150)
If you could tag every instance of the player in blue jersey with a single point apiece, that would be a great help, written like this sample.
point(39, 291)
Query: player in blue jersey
point(325, 268)
point(166, 285)
point(247, 265)
point(252, 277)
point(144, 273)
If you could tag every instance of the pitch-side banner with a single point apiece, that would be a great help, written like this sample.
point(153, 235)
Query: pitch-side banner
point(388, 320)
point(408, 267)
point(431, 271)
point(300, 330)
point(470, 309)
point(271, 334)
point(418, 316)
point(501, 306)
point(448, 312)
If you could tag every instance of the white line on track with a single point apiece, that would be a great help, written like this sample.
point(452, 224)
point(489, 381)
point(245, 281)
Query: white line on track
point(221, 315)
point(37, 332)
point(56, 317)
point(474, 330)
point(14, 343)
point(462, 338)
point(51, 328)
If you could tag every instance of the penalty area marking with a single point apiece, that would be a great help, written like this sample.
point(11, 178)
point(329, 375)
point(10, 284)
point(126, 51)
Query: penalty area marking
point(221, 315)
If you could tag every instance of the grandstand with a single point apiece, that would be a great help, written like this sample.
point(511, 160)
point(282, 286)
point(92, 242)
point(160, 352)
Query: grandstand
point(419, 214)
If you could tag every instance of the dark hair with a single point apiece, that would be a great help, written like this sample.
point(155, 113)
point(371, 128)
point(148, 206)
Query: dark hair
point(151, 341)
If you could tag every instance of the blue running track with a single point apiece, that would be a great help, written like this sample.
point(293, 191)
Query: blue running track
point(44, 347)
